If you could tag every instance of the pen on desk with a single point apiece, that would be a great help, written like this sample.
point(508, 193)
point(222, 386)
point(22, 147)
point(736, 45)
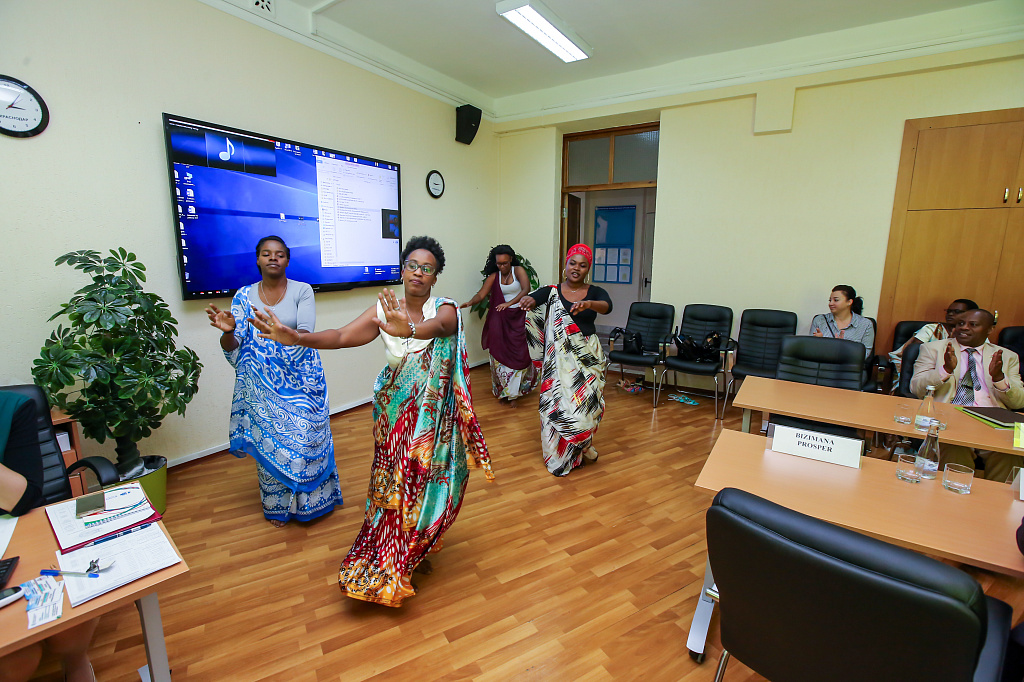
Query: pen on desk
point(79, 574)
point(118, 534)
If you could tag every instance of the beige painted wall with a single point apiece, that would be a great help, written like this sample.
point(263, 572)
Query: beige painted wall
point(775, 221)
point(97, 177)
point(529, 196)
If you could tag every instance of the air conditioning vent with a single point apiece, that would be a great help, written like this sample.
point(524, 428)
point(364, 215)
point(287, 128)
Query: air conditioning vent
point(263, 8)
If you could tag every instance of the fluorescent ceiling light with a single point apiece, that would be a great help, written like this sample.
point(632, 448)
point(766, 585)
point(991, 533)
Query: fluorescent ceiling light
point(541, 24)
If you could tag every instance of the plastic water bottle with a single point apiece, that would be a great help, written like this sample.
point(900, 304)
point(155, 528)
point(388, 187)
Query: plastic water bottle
point(926, 413)
point(927, 460)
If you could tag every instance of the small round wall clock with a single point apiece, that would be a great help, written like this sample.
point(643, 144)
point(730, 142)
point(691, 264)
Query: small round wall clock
point(435, 184)
point(23, 112)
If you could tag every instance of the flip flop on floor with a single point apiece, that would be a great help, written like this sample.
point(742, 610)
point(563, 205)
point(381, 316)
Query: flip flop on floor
point(635, 388)
point(685, 400)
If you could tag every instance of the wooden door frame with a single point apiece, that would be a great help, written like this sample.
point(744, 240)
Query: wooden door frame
point(901, 203)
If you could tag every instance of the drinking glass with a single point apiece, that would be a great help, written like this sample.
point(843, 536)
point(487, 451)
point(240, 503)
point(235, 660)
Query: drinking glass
point(904, 413)
point(906, 469)
point(957, 478)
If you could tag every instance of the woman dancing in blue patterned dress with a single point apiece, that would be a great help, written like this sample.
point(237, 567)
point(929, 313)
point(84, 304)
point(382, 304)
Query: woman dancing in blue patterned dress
point(279, 412)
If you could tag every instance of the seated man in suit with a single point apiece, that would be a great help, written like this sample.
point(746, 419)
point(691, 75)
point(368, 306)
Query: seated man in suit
point(969, 370)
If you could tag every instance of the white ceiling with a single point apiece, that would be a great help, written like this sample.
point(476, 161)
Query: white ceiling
point(463, 50)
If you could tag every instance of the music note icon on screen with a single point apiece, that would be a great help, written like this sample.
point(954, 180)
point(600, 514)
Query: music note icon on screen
point(226, 156)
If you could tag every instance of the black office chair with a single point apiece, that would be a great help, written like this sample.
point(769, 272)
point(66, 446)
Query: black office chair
point(802, 600)
point(821, 361)
point(56, 486)
point(910, 356)
point(1012, 338)
point(698, 320)
point(902, 333)
point(760, 343)
point(869, 380)
point(653, 321)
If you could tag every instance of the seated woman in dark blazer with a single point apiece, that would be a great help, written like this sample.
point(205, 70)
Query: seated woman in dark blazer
point(21, 485)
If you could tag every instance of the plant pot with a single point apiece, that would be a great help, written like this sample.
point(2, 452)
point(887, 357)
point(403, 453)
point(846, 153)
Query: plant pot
point(155, 482)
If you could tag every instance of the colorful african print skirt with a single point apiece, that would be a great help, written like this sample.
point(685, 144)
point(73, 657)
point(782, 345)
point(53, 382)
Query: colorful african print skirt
point(426, 436)
point(571, 385)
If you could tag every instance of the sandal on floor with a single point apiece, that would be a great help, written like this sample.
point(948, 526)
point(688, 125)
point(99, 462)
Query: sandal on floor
point(635, 388)
point(685, 400)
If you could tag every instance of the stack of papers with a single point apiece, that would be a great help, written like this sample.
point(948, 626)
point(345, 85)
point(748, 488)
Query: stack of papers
point(134, 554)
point(125, 507)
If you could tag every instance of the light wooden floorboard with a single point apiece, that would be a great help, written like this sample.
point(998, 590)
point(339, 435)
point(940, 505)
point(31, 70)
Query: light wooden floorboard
point(589, 577)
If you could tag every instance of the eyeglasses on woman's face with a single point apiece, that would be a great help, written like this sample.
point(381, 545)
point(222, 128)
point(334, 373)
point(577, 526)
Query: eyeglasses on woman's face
point(425, 268)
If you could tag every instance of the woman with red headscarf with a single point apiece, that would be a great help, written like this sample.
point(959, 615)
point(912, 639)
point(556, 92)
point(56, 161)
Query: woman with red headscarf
point(561, 329)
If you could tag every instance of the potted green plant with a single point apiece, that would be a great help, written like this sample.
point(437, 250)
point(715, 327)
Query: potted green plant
point(116, 368)
point(481, 308)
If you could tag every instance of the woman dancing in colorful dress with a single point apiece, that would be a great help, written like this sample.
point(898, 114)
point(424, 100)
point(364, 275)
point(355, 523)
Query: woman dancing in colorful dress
point(425, 430)
point(573, 374)
point(504, 334)
point(279, 412)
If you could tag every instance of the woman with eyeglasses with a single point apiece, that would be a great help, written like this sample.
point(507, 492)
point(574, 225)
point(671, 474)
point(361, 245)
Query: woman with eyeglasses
point(280, 414)
point(937, 331)
point(843, 321)
point(561, 327)
point(504, 334)
point(425, 431)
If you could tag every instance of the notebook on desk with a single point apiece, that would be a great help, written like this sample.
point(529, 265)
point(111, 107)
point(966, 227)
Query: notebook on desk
point(998, 417)
point(126, 507)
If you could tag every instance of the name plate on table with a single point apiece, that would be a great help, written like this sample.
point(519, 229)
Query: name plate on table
point(823, 447)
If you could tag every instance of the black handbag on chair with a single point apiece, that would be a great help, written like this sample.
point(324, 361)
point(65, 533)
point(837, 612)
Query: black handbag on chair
point(632, 342)
point(705, 351)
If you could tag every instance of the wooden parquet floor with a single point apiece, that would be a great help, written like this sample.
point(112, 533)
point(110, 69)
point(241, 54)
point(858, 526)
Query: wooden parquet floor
point(589, 577)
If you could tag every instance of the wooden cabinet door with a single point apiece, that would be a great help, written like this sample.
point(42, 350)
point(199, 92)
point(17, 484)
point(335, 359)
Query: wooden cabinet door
point(970, 166)
point(1008, 297)
point(951, 254)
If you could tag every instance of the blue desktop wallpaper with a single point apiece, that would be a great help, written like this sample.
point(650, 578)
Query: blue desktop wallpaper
point(232, 189)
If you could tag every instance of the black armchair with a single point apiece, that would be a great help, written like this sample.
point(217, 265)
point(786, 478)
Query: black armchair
point(1012, 338)
point(55, 476)
point(822, 361)
point(760, 343)
point(907, 370)
point(902, 333)
point(653, 322)
point(802, 599)
point(698, 320)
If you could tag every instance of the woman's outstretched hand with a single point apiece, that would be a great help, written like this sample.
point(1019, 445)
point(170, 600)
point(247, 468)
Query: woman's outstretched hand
point(396, 318)
point(527, 303)
point(271, 328)
point(221, 319)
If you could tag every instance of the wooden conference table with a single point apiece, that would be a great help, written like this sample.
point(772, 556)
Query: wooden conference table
point(34, 542)
point(859, 410)
point(977, 529)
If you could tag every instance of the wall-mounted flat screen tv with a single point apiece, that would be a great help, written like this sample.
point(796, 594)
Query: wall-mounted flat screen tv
point(339, 212)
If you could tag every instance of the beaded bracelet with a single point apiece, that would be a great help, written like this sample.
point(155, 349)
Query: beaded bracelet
point(412, 329)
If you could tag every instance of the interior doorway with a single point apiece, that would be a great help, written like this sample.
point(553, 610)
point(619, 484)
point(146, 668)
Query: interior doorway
point(609, 190)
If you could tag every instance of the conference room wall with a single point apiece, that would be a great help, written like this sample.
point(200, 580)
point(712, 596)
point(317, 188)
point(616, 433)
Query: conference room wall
point(97, 177)
point(777, 220)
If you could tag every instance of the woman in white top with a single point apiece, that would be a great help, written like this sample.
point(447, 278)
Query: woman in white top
point(513, 373)
point(425, 430)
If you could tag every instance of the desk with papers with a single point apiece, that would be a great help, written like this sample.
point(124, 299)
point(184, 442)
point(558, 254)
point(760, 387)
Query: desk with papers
point(145, 558)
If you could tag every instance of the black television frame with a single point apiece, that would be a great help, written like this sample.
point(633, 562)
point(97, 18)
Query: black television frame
point(229, 293)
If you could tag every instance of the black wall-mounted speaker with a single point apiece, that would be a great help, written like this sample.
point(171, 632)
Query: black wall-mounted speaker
point(467, 122)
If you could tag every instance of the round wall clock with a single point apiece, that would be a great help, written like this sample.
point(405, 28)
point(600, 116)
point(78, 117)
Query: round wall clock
point(23, 112)
point(435, 184)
